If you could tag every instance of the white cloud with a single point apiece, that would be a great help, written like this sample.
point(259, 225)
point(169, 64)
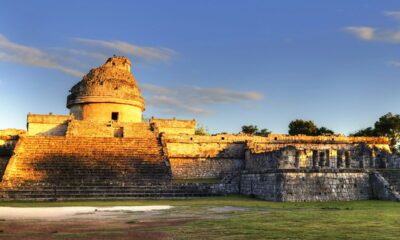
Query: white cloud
point(394, 63)
point(193, 99)
point(81, 56)
point(13, 52)
point(365, 33)
point(148, 53)
point(394, 14)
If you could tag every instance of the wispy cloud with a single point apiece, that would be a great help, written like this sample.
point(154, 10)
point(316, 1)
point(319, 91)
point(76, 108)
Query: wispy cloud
point(368, 33)
point(84, 53)
point(193, 99)
point(13, 52)
point(148, 53)
point(394, 63)
point(394, 14)
point(365, 33)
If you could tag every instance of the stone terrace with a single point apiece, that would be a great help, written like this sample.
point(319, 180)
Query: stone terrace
point(82, 160)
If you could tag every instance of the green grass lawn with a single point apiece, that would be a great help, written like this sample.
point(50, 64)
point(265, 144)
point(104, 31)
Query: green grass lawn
point(270, 220)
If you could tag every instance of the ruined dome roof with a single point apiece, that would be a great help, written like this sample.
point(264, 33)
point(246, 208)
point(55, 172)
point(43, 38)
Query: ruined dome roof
point(112, 82)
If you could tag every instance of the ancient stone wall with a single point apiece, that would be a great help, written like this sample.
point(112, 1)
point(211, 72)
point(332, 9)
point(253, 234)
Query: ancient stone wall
point(266, 186)
point(350, 155)
point(384, 188)
point(3, 164)
point(173, 126)
point(8, 140)
point(392, 176)
point(109, 92)
point(193, 156)
point(47, 125)
point(86, 160)
point(303, 185)
point(82, 128)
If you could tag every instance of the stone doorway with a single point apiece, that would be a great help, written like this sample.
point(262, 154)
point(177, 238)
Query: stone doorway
point(119, 132)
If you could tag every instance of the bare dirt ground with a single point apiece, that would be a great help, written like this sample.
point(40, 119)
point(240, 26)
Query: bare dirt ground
point(102, 223)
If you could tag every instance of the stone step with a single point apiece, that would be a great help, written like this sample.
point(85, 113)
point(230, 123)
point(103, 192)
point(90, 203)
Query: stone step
point(78, 160)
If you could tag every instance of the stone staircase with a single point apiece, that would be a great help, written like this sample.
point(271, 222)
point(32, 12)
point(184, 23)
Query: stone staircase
point(172, 190)
point(392, 176)
point(80, 160)
point(55, 167)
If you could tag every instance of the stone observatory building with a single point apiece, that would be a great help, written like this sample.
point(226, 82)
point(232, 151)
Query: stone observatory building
point(109, 92)
point(104, 149)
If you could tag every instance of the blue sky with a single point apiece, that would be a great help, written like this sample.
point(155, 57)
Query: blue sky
point(224, 63)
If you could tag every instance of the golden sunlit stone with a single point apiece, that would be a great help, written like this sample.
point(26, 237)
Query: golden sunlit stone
point(104, 147)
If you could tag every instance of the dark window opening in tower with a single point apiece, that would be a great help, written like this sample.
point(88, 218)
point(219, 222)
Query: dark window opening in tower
point(114, 116)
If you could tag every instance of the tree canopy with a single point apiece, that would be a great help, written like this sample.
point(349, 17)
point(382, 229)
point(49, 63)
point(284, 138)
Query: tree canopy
point(365, 132)
point(201, 130)
point(309, 128)
point(388, 126)
point(253, 129)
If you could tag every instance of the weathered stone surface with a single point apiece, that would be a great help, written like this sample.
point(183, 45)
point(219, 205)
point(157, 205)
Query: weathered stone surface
point(302, 185)
point(173, 126)
point(79, 160)
point(107, 89)
point(47, 125)
point(385, 188)
point(103, 149)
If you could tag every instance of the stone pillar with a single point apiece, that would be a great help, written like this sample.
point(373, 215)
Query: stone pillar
point(341, 159)
point(297, 159)
point(348, 159)
point(372, 160)
point(309, 158)
point(333, 158)
point(322, 158)
point(315, 159)
point(302, 159)
point(327, 159)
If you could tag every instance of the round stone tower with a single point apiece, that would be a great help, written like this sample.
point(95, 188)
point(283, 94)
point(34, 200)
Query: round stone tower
point(107, 93)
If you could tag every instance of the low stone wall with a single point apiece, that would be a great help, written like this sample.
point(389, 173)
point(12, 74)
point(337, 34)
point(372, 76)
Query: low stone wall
point(173, 126)
point(81, 128)
point(47, 125)
point(266, 186)
point(84, 128)
point(201, 168)
point(307, 185)
point(203, 156)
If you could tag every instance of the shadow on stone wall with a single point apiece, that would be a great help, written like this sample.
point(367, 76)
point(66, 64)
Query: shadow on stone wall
point(83, 169)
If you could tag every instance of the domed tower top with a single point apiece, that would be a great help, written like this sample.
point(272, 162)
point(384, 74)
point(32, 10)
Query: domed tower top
point(109, 92)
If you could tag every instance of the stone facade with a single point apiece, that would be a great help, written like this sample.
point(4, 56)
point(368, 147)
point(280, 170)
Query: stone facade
point(104, 150)
point(307, 185)
point(109, 92)
point(47, 125)
point(173, 126)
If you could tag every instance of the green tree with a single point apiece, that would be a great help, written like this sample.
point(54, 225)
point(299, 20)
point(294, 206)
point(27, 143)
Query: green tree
point(389, 126)
point(201, 130)
point(263, 132)
point(300, 126)
point(253, 130)
point(365, 132)
point(325, 131)
point(249, 129)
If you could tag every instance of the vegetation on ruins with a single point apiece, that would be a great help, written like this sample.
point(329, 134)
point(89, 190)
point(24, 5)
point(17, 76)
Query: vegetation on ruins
point(253, 130)
point(202, 130)
point(365, 132)
point(309, 128)
point(388, 126)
